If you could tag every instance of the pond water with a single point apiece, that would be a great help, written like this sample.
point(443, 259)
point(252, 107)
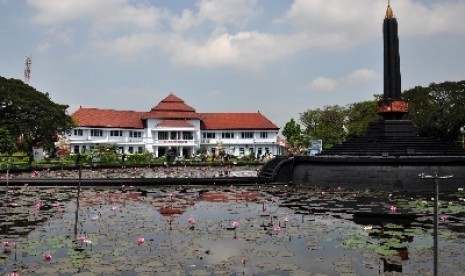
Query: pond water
point(212, 230)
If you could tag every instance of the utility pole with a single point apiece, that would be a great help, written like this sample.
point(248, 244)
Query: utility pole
point(435, 218)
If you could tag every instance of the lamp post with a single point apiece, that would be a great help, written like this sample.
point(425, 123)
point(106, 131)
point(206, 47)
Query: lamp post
point(462, 130)
point(78, 162)
point(7, 177)
point(435, 218)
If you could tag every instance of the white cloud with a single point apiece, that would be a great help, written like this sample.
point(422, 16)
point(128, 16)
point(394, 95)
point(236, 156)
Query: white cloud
point(246, 50)
point(108, 12)
point(441, 16)
point(335, 23)
point(362, 75)
point(331, 84)
point(323, 84)
point(203, 36)
point(344, 24)
point(185, 21)
point(226, 11)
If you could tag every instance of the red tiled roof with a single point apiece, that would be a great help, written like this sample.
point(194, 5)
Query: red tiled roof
point(174, 123)
point(218, 121)
point(172, 107)
point(95, 117)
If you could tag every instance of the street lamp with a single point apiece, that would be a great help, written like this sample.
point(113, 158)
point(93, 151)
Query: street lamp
point(7, 176)
point(435, 219)
point(462, 130)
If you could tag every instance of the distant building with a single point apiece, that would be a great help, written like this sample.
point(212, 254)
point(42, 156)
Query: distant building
point(172, 124)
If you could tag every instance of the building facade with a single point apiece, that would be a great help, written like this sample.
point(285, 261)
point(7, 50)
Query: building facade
point(174, 126)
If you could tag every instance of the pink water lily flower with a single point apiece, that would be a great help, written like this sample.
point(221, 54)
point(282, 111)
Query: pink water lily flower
point(140, 240)
point(235, 224)
point(8, 244)
point(81, 238)
point(277, 228)
point(191, 220)
point(47, 256)
point(244, 260)
point(37, 206)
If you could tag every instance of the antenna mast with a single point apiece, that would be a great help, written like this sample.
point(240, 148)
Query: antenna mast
point(27, 70)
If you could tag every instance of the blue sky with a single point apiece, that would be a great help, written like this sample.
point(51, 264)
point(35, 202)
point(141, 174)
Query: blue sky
point(279, 57)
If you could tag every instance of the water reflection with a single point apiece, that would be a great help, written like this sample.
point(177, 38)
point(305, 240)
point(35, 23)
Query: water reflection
point(280, 230)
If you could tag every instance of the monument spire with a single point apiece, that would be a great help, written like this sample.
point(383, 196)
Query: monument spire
point(392, 106)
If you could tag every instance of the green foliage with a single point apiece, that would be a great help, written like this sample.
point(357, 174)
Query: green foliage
point(30, 117)
point(7, 142)
point(327, 123)
point(438, 110)
point(359, 116)
point(292, 133)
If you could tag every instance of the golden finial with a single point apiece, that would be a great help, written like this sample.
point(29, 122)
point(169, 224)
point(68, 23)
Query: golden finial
point(389, 12)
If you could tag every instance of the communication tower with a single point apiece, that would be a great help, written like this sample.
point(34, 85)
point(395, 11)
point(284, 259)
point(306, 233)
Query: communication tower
point(27, 70)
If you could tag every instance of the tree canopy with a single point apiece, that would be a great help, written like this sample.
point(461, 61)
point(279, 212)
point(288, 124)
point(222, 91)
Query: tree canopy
point(436, 111)
point(29, 118)
point(292, 132)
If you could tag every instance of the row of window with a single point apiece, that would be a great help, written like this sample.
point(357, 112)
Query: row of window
point(77, 149)
point(230, 135)
point(114, 133)
point(173, 135)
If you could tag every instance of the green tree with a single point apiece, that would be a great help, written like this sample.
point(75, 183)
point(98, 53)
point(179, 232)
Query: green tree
point(30, 116)
point(7, 142)
point(438, 110)
point(359, 116)
point(292, 133)
point(327, 123)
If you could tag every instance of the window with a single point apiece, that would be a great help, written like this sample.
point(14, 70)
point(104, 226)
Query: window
point(116, 133)
point(96, 132)
point(186, 135)
point(135, 134)
point(163, 135)
point(78, 132)
point(140, 149)
point(246, 135)
point(83, 149)
point(227, 135)
point(76, 149)
point(131, 150)
point(241, 151)
point(263, 134)
point(209, 135)
point(173, 135)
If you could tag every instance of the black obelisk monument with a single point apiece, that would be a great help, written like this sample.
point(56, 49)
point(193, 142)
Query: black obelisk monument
point(392, 106)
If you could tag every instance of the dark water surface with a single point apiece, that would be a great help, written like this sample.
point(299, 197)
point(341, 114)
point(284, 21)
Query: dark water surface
point(209, 230)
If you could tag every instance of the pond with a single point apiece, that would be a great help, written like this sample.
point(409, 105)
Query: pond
point(234, 230)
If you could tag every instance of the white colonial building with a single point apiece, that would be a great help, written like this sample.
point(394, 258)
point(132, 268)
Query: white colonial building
point(172, 124)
